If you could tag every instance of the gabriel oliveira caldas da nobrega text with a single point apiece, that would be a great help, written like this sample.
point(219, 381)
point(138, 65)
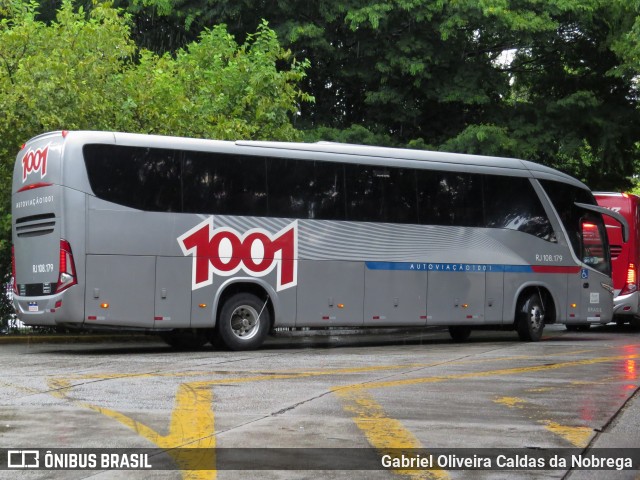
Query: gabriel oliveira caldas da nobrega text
point(505, 461)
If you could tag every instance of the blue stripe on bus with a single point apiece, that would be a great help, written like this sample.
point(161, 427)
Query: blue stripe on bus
point(449, 267)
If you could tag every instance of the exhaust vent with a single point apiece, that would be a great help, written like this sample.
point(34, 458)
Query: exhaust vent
point(35, 225)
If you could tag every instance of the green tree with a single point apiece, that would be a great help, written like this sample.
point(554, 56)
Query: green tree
point(83, 71)
point(554, 82)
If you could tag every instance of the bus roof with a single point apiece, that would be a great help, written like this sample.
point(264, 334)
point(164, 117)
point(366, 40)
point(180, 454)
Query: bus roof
point(351, 153)
point(410, 154)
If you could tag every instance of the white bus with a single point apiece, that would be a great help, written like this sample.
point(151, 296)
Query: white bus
point(203, 240)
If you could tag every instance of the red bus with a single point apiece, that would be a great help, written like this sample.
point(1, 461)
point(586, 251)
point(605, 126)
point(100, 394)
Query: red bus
point(625, 257)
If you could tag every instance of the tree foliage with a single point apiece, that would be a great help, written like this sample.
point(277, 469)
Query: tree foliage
point(555, 81)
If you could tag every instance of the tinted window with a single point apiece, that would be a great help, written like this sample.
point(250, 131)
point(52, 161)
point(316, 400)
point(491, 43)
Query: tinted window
point(450, 198)
point(299, 189)
point(381, 194)
point(224, 184)
point(329, 192)
point(137, 177)
point(511, 202)
point(214, 183)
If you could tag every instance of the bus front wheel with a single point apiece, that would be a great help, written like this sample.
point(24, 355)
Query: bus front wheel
point(244, 322)
point(530, 318)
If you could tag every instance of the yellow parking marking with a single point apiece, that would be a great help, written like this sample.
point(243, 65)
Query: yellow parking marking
point(192, 419)
point(256, 376)
point(577, 436)
point(499, 372)
point(290, 373)
point(511, 401)
point(383, 433)
point(21, 388)
point(191, 426)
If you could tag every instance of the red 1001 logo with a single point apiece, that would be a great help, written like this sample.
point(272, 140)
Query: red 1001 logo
point(34, 161)
point(224, 251)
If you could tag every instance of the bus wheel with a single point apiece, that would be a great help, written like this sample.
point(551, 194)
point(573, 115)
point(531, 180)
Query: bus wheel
point(459, 333)
point(186, 339)
point(530, 318)
point(244, 322)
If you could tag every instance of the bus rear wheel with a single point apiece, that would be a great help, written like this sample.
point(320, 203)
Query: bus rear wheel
point(244, 322)
point(530, 318)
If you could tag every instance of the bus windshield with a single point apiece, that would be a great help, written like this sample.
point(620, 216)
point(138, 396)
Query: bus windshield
point(585, 230)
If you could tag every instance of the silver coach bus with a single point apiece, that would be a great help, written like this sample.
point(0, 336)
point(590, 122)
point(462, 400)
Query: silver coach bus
point(203, 240)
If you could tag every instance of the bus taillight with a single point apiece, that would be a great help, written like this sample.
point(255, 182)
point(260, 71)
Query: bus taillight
point(13, 270)
point(632, 276)
point(67, 277)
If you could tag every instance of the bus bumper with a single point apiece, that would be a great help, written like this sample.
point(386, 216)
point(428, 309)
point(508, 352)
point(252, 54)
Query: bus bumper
point(627, 304)
point(42, 311)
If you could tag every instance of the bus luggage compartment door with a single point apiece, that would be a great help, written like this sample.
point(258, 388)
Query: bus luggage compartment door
point(173, 292)
point(456, 298)
point(330, 293)
point(395, 297)
point(120, 290)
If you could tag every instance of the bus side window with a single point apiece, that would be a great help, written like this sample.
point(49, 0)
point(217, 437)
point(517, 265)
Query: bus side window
point(511, 202)
point(137, 177)
point(222, 184)
point(381, 194)
point(450, 198)
point(305, 189)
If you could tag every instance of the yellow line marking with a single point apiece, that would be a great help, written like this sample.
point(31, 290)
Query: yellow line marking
point(191, 426)
point(512, 402)
point(540, 389)
point(493, 373)
point(192, 419)
point(21, 388)
point(577, 436)
point(255, 376)
point(383, 433)
point(259, 375)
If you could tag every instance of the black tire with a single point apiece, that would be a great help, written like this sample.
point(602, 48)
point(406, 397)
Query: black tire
point(459, 333)
point(530, 318)
point(244, 322)
point(185, 339)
